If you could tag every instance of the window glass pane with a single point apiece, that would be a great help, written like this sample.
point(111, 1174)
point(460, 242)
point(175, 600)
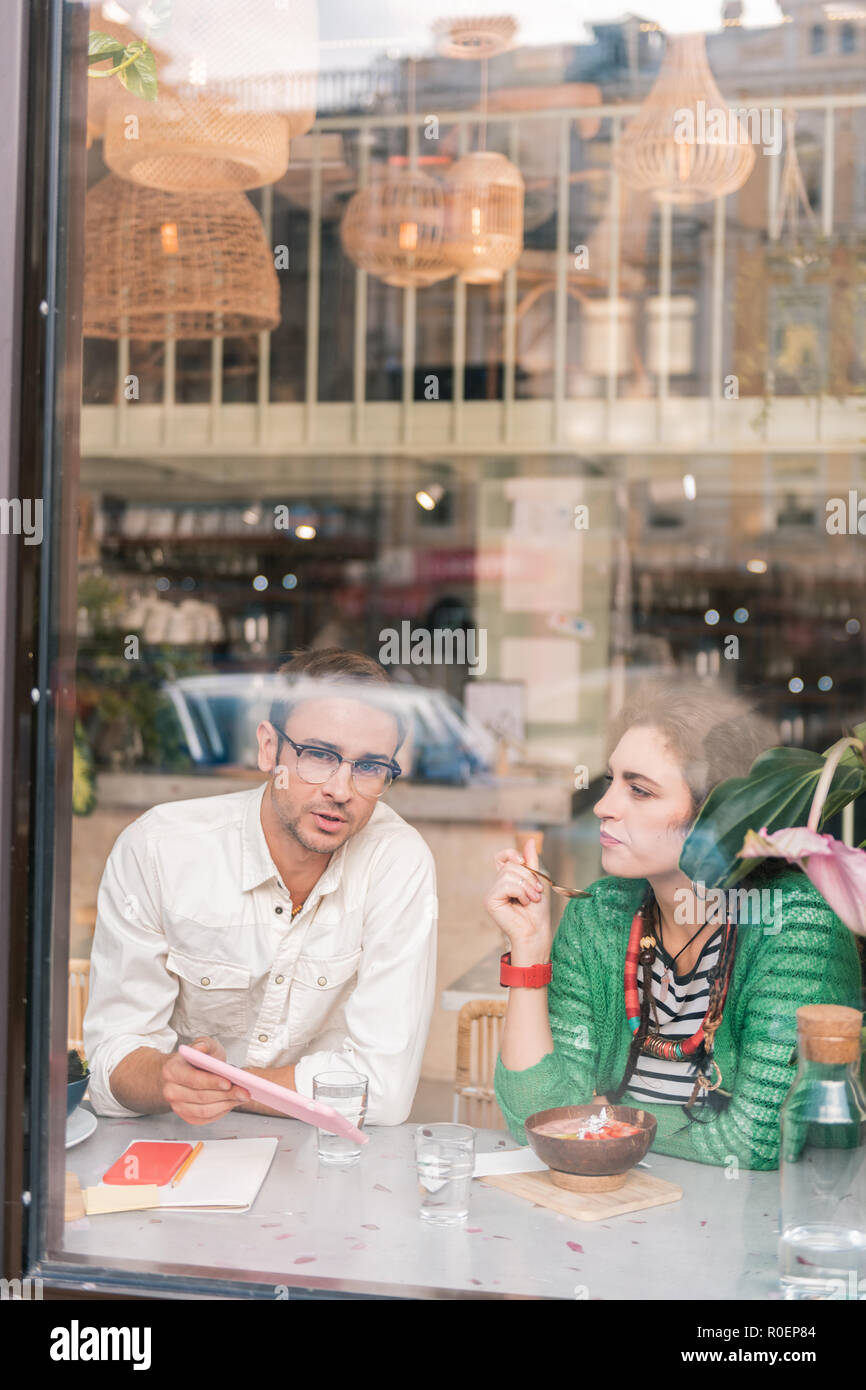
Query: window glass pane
point(529, 385)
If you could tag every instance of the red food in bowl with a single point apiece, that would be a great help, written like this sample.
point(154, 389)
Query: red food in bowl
point(565, 1129)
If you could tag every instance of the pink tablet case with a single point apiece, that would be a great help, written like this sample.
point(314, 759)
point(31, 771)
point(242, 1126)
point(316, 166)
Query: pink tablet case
point(313, 1112)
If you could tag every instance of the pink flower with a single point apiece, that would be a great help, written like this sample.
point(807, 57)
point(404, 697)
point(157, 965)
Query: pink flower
point(837, 871)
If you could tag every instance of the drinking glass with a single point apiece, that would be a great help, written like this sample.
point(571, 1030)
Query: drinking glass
point(445, 1157)
point(345, 1092)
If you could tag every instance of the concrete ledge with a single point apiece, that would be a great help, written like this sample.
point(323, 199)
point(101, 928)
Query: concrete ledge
point(524, 801)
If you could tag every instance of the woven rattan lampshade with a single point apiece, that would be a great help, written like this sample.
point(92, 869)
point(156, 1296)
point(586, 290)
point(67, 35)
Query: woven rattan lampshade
point(160, 265)
point(484, 216)
point(395, 228)
point(685, 101)
point(252, 55)
point(479, 32)
point(195, 145)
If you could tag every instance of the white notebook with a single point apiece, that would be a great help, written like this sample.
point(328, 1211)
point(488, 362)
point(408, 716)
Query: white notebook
point(225, 1176)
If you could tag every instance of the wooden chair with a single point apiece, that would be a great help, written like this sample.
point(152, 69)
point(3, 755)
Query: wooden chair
point(479, 1027)
point(79, 991)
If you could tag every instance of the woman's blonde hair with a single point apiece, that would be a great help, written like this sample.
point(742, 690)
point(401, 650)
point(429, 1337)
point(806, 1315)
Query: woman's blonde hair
point(713, 732)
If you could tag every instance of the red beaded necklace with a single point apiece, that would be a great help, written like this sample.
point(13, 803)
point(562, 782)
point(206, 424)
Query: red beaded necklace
point(641, 949)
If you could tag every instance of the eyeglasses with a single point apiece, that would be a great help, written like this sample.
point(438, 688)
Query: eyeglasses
point(370, 777)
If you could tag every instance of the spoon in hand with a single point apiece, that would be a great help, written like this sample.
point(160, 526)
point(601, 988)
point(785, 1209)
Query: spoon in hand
point(557, 887)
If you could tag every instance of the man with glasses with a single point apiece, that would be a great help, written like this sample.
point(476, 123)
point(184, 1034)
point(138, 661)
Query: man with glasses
point(290, 929)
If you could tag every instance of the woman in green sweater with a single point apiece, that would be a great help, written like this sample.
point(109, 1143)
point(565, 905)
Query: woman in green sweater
point(655, 1000)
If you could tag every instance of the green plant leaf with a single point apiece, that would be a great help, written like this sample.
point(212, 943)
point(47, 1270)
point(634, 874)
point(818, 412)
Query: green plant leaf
point(851, 757)
point(140, 77)
point(777, 793)
point(83, 787)
point(102, 46)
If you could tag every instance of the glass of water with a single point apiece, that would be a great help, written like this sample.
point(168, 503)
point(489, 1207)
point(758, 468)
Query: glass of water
point(445, 1157)
point(345, 1092)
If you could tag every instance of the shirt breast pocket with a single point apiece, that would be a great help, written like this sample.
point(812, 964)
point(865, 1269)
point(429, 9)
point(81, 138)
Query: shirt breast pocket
point(319, 984)
point(212, 996)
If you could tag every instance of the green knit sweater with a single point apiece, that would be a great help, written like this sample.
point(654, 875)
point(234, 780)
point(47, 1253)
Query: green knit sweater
point(810, 959)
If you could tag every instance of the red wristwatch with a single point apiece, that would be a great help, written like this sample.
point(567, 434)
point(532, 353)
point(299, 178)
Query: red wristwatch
point(532, 975)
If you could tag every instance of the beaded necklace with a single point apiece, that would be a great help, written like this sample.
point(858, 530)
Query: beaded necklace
point(642, 949)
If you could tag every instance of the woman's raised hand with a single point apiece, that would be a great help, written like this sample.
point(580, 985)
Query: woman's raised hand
point(518, 904)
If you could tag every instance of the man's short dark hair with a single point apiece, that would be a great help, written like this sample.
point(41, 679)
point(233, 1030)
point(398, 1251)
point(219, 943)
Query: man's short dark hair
point(317, 671)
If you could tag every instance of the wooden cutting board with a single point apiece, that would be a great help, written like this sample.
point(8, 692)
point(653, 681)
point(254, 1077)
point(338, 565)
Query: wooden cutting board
point(639, 1190)
point(74, 1199)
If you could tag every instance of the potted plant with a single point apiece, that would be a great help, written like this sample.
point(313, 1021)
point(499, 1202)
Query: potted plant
point(776, 812)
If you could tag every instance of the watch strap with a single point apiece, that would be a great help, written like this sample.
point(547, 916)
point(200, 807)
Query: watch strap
point(531, 976)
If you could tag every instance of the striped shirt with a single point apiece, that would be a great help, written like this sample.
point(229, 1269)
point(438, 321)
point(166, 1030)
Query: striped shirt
point(679, 1012)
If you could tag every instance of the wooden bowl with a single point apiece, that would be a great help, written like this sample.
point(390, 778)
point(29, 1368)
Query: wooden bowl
point(591, 1165)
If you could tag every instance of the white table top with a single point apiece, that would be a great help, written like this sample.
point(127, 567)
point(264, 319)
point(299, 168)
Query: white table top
point(357, 1229)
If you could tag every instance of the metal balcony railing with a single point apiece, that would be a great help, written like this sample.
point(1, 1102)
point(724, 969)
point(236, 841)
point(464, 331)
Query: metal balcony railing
point(664, 422)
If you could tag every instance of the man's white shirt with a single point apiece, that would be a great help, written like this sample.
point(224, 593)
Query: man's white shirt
point(194, 936)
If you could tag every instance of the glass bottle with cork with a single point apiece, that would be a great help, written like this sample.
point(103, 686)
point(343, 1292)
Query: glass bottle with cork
point(822, 1245)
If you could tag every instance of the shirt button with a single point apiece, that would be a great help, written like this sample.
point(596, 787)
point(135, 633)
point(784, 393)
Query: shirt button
point(279, 980)
point(263, 1037)
point(205, 979)
point(322, 980)
point(278, 909)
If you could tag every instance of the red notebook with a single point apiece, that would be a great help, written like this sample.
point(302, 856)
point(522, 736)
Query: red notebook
point(148, 1161)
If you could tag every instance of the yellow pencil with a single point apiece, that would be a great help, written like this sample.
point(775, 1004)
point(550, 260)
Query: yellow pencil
point(187, 1164)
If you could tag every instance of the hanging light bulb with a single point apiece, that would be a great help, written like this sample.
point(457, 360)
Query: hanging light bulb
point(168, 238)
point(665, 147)
point(408, 237)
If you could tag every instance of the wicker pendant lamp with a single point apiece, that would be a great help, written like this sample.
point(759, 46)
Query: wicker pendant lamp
point(484, 201)
point(793, 203)
point(484, 197)
point(477, 29)
point(195, 145)
point(395, 228)
point(711, 157)
point(234, 88)
point(164, 266)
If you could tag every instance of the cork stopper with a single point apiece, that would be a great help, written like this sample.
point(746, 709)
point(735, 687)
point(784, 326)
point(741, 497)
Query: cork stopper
point(829, 1033)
